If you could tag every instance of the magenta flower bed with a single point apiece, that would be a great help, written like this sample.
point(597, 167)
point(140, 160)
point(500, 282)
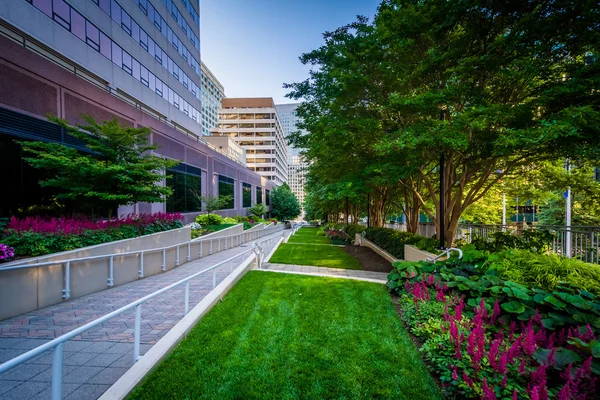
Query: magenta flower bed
point(35, 236)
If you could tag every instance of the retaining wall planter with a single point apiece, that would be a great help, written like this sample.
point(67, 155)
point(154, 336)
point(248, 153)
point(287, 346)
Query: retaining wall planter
point(411, 253)
point(361, 241)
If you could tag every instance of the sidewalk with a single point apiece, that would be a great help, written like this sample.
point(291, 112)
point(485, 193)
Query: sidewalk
point(378, 277)
point(95, 360)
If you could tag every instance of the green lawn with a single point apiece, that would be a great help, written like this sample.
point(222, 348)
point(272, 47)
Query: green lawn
point(317, 256)
point(310, 238)
point(282, 336)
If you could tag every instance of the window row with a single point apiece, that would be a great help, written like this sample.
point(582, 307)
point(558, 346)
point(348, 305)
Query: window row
point(190, 8)
point(227, 191)
point(181, 21)
point(122, 18)
point(186, 189)
point(86, 31)
point(164, 28)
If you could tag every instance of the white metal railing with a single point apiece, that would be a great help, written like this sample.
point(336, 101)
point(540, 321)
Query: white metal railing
point(446, 252)
point(256, 253)
point(223, 243)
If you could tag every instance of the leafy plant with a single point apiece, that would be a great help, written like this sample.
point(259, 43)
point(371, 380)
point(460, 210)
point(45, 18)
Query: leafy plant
point(209, 219)
point(533, 240)
point(6, 252)
point(284, 203)
point(258, 210)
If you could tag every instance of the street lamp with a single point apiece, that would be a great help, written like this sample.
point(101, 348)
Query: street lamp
point(442, 221)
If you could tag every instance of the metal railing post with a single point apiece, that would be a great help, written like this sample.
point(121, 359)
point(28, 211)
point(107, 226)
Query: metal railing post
point(211, 246)
point(187, 297)
point(214, 277)
point(57, 358)
point(111, 272)
point(137, 332)
point(163, 267)
point(189, 256)
point(177, 258)
point(219, 246)
point(67, 289)
point(141, 271)
point(200, 254)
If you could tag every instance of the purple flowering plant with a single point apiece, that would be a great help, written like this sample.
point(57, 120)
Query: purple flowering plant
point(6, 252)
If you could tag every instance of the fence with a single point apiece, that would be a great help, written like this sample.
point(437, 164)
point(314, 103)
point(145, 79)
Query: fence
point(256, 254)
point(581, 242)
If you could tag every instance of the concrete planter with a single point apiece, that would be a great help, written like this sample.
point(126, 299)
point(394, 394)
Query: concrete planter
point(411, 253)
point(361, 241)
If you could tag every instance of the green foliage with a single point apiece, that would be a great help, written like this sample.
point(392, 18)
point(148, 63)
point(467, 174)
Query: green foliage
point(31, 244)
point(284, 203)
point(393, 241)
point(538, 240)
point(229, 220)
point(353, 229)
point(314, 255)
point(209, 219)
point(121, 169)
point(212, 203)
point(258, 210)
point(218, 227)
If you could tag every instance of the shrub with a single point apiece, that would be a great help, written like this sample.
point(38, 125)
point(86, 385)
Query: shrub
point(229, 220)
point(391, 240)
point(209, 219)
point(533, 240)
point(353, 229)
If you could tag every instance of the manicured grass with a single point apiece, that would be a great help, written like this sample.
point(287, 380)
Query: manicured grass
point(317, 256)
point(282, 336)
point(316, 239)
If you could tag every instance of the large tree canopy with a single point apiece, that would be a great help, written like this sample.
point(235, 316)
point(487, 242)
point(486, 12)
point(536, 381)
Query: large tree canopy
point(493, 86)
point(284, 203)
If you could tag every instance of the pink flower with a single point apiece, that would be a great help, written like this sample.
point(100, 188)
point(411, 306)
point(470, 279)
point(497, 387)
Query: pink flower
point(515, 396)
point(454, 374)
point(529, 342)
point(467, 380)
point(495, 312)
point(502, 363)
point(488, 391)
point(534, 394)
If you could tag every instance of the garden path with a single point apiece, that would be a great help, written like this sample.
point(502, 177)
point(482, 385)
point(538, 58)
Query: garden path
point(95, 360)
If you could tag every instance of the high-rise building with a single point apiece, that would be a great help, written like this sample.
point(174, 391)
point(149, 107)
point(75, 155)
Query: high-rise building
point(134, 60)
point(213, 93)
point(254, 124)
point(296, 164)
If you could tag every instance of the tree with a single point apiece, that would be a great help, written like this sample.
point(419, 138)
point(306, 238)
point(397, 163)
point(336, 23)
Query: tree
point(119, 169)
point(212, 203)
point(492, 86)
point(258, 210)
point(284, 203)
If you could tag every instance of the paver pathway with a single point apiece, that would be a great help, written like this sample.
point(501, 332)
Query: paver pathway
point(95, 360)
point(379, 277)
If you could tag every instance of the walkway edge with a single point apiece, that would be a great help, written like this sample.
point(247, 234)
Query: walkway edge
point(121, 388)
point(356, 278)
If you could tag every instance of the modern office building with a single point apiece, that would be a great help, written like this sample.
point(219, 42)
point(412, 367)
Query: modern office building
point(297, 166)
point(134, 60)
point(254, 124)
point(213, 93)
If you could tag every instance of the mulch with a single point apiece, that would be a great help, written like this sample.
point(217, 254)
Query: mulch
point(368, 259)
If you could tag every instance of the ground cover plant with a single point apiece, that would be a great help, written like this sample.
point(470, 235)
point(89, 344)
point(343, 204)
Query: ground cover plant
point(312, 238)
point(393, 241)
point(282, 336)
point(489, 337)
point(35, 236)
point(315, 255)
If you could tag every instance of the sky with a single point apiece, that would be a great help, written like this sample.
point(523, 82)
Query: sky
point(252, 46)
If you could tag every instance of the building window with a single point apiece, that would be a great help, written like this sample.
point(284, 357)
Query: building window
point(259, 195)
point(227, 188)
point(268, 197)
point(246, 195)
point(186, 188)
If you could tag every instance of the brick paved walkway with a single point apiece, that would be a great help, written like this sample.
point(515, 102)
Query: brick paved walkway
point(96, 359)
point(380, 277)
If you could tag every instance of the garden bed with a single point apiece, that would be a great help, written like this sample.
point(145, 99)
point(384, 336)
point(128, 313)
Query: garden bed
point(368, 259)
point(286, 336)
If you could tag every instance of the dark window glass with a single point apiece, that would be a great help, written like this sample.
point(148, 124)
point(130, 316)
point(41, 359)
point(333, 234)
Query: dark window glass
point(127, 67)
point(62, 14)
point(267, 197)
point(186, 188)
point(144, 40)
point(246, 195)
point(126, 23)
point(136, 69)
point(44, 6)
point(115, 12)
point(92, 35)
point(151, 81)
point(226, 188)
point(105, 5)
point(144, 75)
point(259, 195)
point(144, 6)
point(77, 24)
point(117, 55)
point(159, 87)
point(105, 46)
point(135, 31)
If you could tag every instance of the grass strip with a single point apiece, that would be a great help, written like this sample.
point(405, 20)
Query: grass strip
point(317, 256)
point(281, 336)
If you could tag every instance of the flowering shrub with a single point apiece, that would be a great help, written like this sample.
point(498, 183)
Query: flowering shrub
point(482, 348)
point(6, 252)
point(34, 236)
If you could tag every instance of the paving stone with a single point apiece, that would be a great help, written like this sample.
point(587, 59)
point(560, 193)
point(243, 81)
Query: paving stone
point(76, 345)
point(79, 358)
point(81, 374)
point(125, 361)
point(67, 389)
point(25, 391)
point(87, 392)
point(5, 386)
point(108, 376)
point(29, 343)
point(46, 376)
point(103, 360)
point(8, 354)
point(23, 372)
point(98, 347)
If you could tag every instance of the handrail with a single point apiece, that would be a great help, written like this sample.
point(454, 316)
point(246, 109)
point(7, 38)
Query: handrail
point(192, 241)
point(57, 343)
point(446, 252)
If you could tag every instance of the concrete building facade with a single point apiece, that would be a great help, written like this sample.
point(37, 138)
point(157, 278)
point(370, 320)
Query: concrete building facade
point(134, 60)
point(297, 166)
point(255, 125)
point(213, 93)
